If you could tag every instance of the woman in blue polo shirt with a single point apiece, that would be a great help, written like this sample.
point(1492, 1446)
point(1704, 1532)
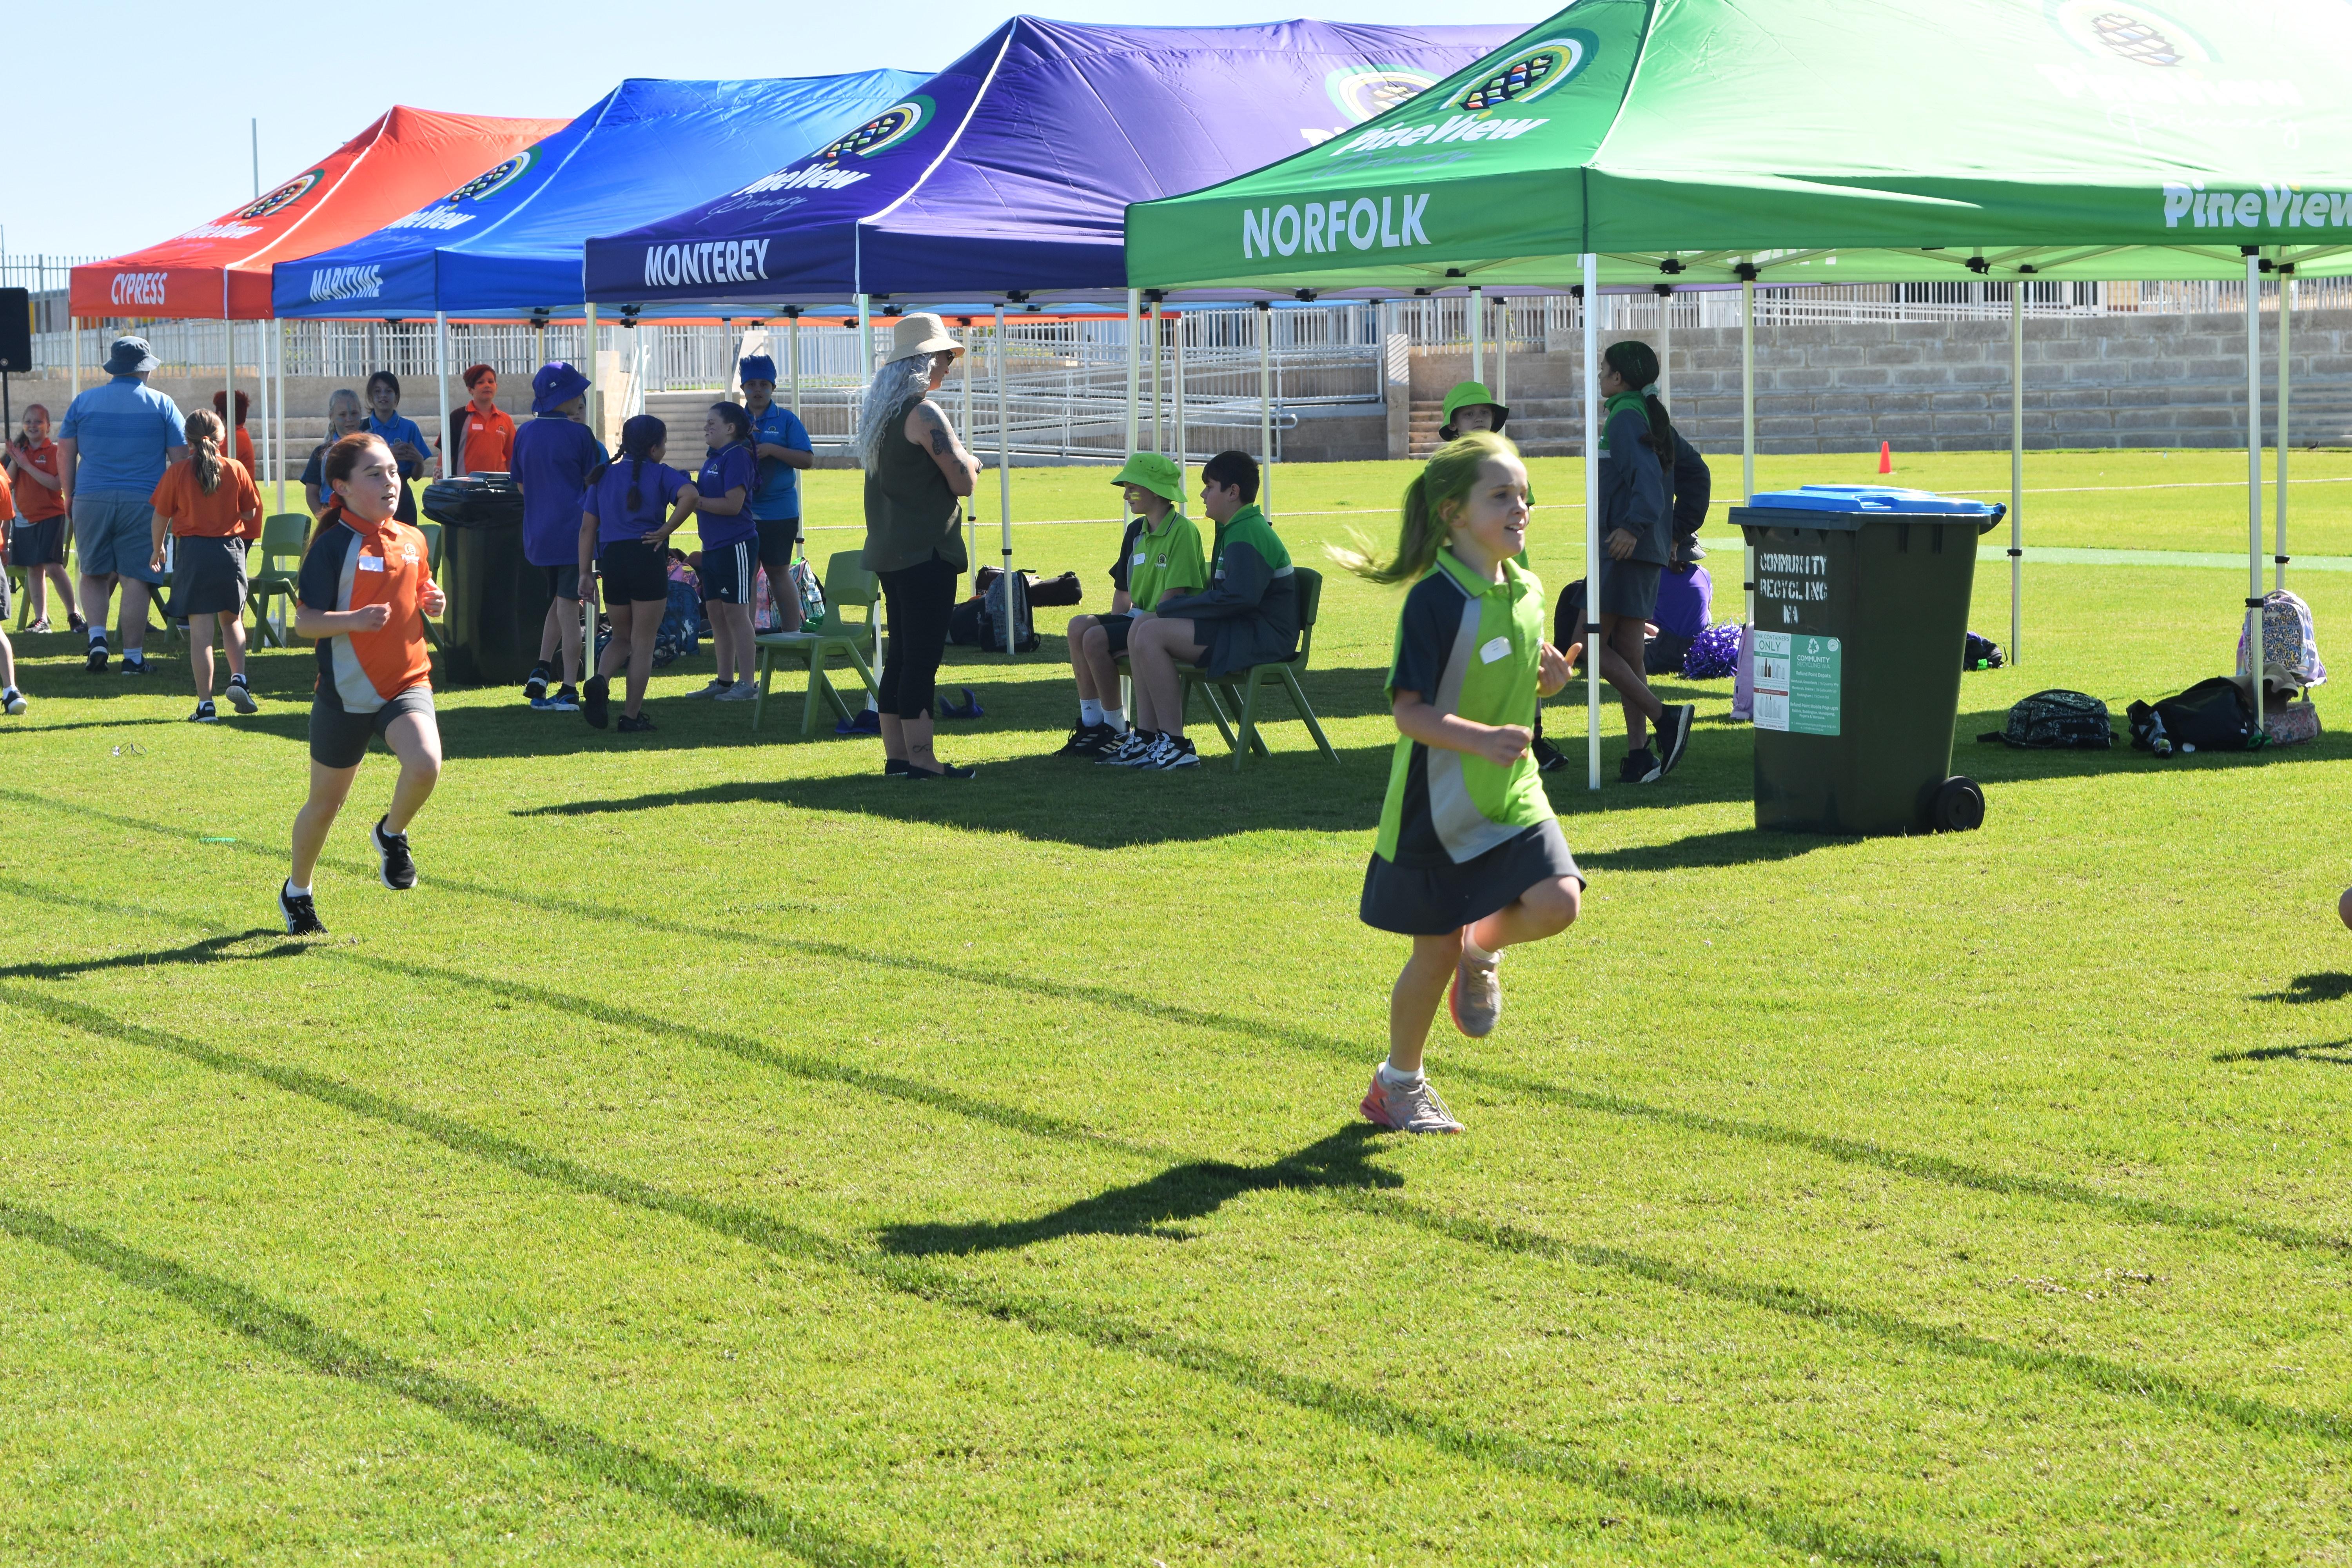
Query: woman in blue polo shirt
point(730, 549)
point(1470, 859)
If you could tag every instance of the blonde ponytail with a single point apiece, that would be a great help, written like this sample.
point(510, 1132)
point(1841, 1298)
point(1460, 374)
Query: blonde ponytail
point(204, 449)
point(1451, 475)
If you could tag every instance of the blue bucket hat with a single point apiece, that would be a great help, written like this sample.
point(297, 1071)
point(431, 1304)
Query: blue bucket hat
point(756, 367)
point(555, 385)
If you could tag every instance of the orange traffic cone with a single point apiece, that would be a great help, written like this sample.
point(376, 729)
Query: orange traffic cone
point(1886, 457)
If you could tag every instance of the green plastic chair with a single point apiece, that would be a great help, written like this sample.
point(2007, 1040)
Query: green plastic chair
point(1242, 687)
point(274, 567)
point(847, 586)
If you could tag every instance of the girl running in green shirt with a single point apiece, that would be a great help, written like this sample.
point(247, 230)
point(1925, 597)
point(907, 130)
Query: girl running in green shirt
point(1470, 859)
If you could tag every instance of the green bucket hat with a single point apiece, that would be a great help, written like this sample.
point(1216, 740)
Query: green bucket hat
point(1466, 395)
point(1155, 473)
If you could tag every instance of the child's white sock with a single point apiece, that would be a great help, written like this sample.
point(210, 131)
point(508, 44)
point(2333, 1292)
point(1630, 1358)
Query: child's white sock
point(1395, 1080)
point(1470, 949)
point(1089, 711)
point(294, 893)
point(1115, 720)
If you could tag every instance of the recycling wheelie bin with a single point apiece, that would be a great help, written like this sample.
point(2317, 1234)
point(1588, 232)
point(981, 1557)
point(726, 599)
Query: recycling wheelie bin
point(1862, 604)
point(497, 600)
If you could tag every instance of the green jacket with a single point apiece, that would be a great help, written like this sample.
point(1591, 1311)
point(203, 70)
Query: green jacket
point(1249, 613)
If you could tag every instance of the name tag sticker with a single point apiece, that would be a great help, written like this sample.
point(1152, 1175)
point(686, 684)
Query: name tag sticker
point(1139, 558)
point(1498, 648)
point(371, 563)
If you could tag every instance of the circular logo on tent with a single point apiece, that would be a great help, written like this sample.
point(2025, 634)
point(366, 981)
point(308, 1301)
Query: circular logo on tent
point(497, 178)
point(1530, 73)
point(1365, 92)
point(893, 125)
point(2140, 34)
point(284, 196)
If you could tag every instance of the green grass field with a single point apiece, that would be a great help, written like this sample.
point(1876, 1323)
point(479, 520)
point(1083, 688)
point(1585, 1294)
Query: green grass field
point(728, 1157)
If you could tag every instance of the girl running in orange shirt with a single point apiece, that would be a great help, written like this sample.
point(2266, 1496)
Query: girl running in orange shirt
point(364, 591)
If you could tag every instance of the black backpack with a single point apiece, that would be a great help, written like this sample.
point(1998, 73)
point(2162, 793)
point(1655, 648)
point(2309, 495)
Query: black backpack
point(2056, 720)
point(994, 595)
point(2214, 715)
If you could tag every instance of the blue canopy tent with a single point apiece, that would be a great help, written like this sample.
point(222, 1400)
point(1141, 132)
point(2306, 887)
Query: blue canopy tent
point(508, 241)
point(1007, 175)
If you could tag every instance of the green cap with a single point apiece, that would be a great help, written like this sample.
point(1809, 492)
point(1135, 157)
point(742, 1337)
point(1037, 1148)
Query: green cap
point(1155, 473)
point(1467, 394)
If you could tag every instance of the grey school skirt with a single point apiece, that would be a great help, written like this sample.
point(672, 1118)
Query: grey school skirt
point(1429, 901)
point(207, 575)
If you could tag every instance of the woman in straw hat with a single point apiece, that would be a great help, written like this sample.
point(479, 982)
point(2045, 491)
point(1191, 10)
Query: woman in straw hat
point(915, 472)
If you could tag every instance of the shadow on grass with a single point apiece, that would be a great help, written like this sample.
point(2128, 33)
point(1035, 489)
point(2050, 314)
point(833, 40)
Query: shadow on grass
point(1863, 1153)
point(333, 1353)
point(2329, 986)
point(1333, 1166)
point(2335, 1053)
point(1374, 1413)
point(1068, 801)
point(210, 950)
point(1989, 763)
point(1159, 1206)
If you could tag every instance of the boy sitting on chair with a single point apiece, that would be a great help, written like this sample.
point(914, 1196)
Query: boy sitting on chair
point(1159, 556)
point(1247, 616)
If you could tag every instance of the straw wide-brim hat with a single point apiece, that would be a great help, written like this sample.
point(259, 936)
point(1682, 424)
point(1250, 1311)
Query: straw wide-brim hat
point(921, 333)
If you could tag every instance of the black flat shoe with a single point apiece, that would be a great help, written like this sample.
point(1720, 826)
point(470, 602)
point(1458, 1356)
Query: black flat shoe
point(945, 770)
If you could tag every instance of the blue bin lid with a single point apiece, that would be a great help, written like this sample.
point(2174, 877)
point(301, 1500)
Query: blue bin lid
point(1872, 499)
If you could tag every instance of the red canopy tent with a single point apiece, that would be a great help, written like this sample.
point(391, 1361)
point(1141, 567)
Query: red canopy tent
point(220, 270)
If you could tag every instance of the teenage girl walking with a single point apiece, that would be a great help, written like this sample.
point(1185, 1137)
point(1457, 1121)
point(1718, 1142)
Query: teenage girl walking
point(1637, 452)
point(730, 548)
point(365, 588)
point(623, 534)
point(1470, 859)
point(210, 508)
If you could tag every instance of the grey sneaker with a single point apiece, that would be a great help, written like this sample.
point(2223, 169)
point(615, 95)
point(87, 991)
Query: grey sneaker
point(744, 690)
point(240, 697)
point(1409, 1109)
point(1476, 997)
point(716, 688)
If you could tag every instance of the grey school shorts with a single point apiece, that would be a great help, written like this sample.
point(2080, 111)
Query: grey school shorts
point(113, 535)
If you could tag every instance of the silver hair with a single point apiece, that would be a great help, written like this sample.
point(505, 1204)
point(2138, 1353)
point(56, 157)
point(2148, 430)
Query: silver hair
point(895, 386)
point(340, 395)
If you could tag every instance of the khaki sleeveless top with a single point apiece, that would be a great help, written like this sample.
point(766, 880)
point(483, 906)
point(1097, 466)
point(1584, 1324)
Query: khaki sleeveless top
point(911, 513)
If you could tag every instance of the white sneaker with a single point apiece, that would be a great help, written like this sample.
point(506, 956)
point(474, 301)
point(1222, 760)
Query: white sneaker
point(743, 690)
point(1129, 753)
point(14, 700)
point(1409, 1108)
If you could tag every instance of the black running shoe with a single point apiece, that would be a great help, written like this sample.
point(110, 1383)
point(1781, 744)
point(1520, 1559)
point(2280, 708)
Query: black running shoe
point(1639, 767)
point(205, 714)
point(97, 664)
point(596, 701)
point(638, 725)
point(1674, 734)
point(534, 686)
point(240, 696)
point(133, 663)
point(399, 870)
point(1088, 741)
point(302, 914)
point(1546, 755)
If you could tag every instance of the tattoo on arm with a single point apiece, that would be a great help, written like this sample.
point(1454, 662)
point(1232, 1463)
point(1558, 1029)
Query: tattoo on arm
point(942, 444)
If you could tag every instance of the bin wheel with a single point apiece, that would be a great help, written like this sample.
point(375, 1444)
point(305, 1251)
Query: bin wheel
point(1958, 806)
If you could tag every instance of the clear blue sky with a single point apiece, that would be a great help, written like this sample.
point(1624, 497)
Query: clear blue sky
point(112, 175)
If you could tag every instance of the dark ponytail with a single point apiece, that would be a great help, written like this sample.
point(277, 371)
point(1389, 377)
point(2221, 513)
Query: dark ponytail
point(639, 435)
point(637, 468)
point(1637, 362)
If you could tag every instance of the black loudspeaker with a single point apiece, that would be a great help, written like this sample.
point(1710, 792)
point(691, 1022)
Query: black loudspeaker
point(16, 330)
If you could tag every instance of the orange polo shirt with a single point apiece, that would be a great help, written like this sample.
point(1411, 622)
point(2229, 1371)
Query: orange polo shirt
point(220, 515)
point(489, 440)
point(350, 565)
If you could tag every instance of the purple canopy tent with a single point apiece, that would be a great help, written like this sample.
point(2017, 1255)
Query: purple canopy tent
point(1007, 175)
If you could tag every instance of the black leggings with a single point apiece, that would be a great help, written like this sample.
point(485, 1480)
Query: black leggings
point(921, 598)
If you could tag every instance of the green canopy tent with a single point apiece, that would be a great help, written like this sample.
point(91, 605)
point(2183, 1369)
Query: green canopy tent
point(1640, 141)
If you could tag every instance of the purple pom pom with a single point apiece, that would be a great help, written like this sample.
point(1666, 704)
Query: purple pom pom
point(1714, 655)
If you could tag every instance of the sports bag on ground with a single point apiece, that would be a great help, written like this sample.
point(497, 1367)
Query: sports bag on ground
point(2056, 720)
point(992, 611)
point(2213, 715)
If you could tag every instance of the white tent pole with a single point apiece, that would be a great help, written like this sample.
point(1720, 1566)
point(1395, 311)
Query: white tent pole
point(1503, 350)
point(1177, 386)
point(441, 386)
point(793, 353)
point(1266, 406)
point(278, 409)
point(1157, 444)
point(1476, 309)
point(971, 506)
point(1004, 470)
point(596, 412)
point(1591, 391)
point(2254, 476)
point(1747, 422)
point(261, 399)
point(73, 332)
point(2278, 500)
point(1666, 346)
point(1134, 363)
point(229, 375)
point(2016, 469)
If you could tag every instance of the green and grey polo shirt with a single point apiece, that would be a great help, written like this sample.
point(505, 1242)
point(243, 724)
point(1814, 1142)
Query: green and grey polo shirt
point(1472, 649)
